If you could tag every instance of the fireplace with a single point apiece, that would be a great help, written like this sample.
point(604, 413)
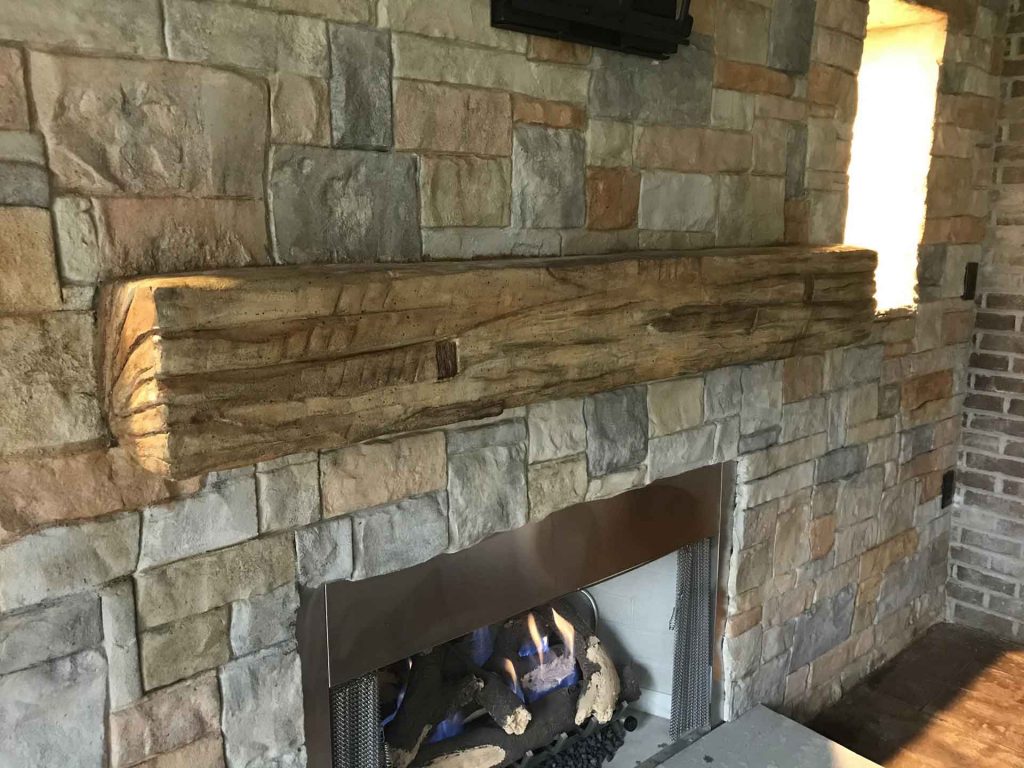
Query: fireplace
point(525, 649)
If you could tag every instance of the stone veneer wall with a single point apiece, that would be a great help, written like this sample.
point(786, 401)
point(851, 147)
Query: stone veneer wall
point(146, 622)
point(986, 586)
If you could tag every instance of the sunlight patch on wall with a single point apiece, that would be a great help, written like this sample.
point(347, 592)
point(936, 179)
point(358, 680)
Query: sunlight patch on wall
point(892, 142)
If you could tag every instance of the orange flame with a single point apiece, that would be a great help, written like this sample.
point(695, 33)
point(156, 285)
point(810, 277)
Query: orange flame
point(510, 670)
point(566, 630)
point(538, 642)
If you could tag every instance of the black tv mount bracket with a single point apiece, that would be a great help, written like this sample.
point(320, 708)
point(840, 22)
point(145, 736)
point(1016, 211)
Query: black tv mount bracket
point(652, 28)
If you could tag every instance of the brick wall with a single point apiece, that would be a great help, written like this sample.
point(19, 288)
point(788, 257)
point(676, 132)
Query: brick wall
point(986, 586)
point(163, 135)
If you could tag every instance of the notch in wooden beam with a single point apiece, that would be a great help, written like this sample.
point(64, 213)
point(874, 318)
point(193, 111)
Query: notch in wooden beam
point(447, 359)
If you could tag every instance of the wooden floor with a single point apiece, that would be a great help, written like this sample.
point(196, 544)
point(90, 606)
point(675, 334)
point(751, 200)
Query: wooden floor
point(955, 699)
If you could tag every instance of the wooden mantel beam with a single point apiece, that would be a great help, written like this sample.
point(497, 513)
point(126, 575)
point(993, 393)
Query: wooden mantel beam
point(222, 369)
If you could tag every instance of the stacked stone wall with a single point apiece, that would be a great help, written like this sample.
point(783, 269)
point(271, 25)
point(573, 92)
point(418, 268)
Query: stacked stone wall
point(144, 622)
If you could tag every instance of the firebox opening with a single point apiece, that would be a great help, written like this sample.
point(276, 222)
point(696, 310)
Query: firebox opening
point(892, 142)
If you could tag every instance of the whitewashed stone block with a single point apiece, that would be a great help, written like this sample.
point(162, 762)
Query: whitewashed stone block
point(288, 492)
point(53, 714)
point(222, 515)
point(487, 493)
point(677, 201)
point(262, 702)
point(762, 397)
point(121, 643)
point(616, 430)
point(400, 535)
point(556, 429)
point(265, 620)
point(555, 485)
point(673, 406)
point(361, 87)
point(680, 452)
point(324, 552)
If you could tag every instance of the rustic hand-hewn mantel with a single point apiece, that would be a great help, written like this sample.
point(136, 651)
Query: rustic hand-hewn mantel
point(221, 369)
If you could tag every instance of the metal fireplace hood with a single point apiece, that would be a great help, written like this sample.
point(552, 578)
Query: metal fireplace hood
point(351, 628)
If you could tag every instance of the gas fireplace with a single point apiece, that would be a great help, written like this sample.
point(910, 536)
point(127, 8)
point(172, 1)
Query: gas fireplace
point(587, 638)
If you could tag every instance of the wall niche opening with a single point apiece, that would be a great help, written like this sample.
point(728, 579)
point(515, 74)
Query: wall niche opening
point(892, 142)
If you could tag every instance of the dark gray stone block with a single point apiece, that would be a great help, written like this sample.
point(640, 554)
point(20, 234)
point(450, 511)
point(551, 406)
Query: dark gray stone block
point(796, 160)
point(40, 634)
point(676, 91)
point(841, 463)
point(790, 36)
point(616, 430)
point(361, 87)
point(338, 205)
point(548, 178)
point(24, 184)
point(825, 626)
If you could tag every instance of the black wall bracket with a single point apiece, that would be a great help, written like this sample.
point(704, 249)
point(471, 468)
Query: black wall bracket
point(652, 28)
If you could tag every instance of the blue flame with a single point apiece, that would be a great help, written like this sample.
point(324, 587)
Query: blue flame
point(447, 728)
point(481, 645)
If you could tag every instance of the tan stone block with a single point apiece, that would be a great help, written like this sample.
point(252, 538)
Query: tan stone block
point(693, 149)
point(105, 136)
point(771, 142)
point(465, 191)
point(837, 49)
point(38, 492)
point(752, 78)
point(422, 58)
point(607, 486)
point(743, 33)
point(221, 33)
point(300, 110)
point(463, 20)
point(28, 263)
point(446, 118)
point(876, 561)
point(118, 26)
point(923, 389)
point(47, 382)
point(609, 143)
point(372, 474)
point(352, 11)
point(555, 114)
point(802, 377)
point(555, 485)
point(205, 753)
point(558, 51)
point(613, 198)
point(13, 101)
point(674, 406)
point(822, 536)
point(166, 721)
point(199, 584)
point(176, 651)
point(160, 235)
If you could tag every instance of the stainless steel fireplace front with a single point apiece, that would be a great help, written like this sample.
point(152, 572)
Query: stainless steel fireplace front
point(349, 629)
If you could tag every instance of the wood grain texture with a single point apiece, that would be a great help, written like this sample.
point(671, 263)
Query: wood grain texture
point(221, 369)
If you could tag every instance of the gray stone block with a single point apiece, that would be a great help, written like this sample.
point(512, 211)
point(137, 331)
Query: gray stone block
point(674, 454)
point(796, 160)
point(67, 560)
point(41, 634)
point(400, 535)
point(121, 643)
point(859, 497)
point(790, 35)
point(803, 418)
point(338, 205)
point(841, 463)
point(288, 492)
point(222, 515)
point(758, 441)
point(548, 178)
point(762, 397)
point(24, 184)
point(723, 393)
point(676, 91)
point(677, 201)
point(262, 621)
point(751, 210)
point(324, 552)
point(361, 87)
point(823, 627)
point(53, 714)
point(262, 699)
point(512, 432)
point(616, 430)
point(487, 493)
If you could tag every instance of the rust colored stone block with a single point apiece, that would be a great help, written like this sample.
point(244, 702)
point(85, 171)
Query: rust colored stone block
point(694, 150)
point(39, 492)
point(957, 327)
point(558, 51)
point(752, 78)
point(923, 389)
point(447, 118)
point(555, 114)
point(613, 198)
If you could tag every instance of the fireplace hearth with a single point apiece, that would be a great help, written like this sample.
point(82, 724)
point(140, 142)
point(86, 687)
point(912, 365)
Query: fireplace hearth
point(543, 647)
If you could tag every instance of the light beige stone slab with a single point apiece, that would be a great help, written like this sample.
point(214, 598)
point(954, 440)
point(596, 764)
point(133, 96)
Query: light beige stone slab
point(421, 58)
point(372, 474)
point(447, 118)
point(673, 406)
point(47, 382)
point(555, 485)
point(609, 143)
point(300, 110)
point(194, 586)
point(467, 21)
point(116, 26)
point(556, 429)
point(352, 11)
point(208, 138)
point(465, 191)
point(27, 262)
point(13, 100)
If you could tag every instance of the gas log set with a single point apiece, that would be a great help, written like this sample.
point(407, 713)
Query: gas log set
point(536, 690)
